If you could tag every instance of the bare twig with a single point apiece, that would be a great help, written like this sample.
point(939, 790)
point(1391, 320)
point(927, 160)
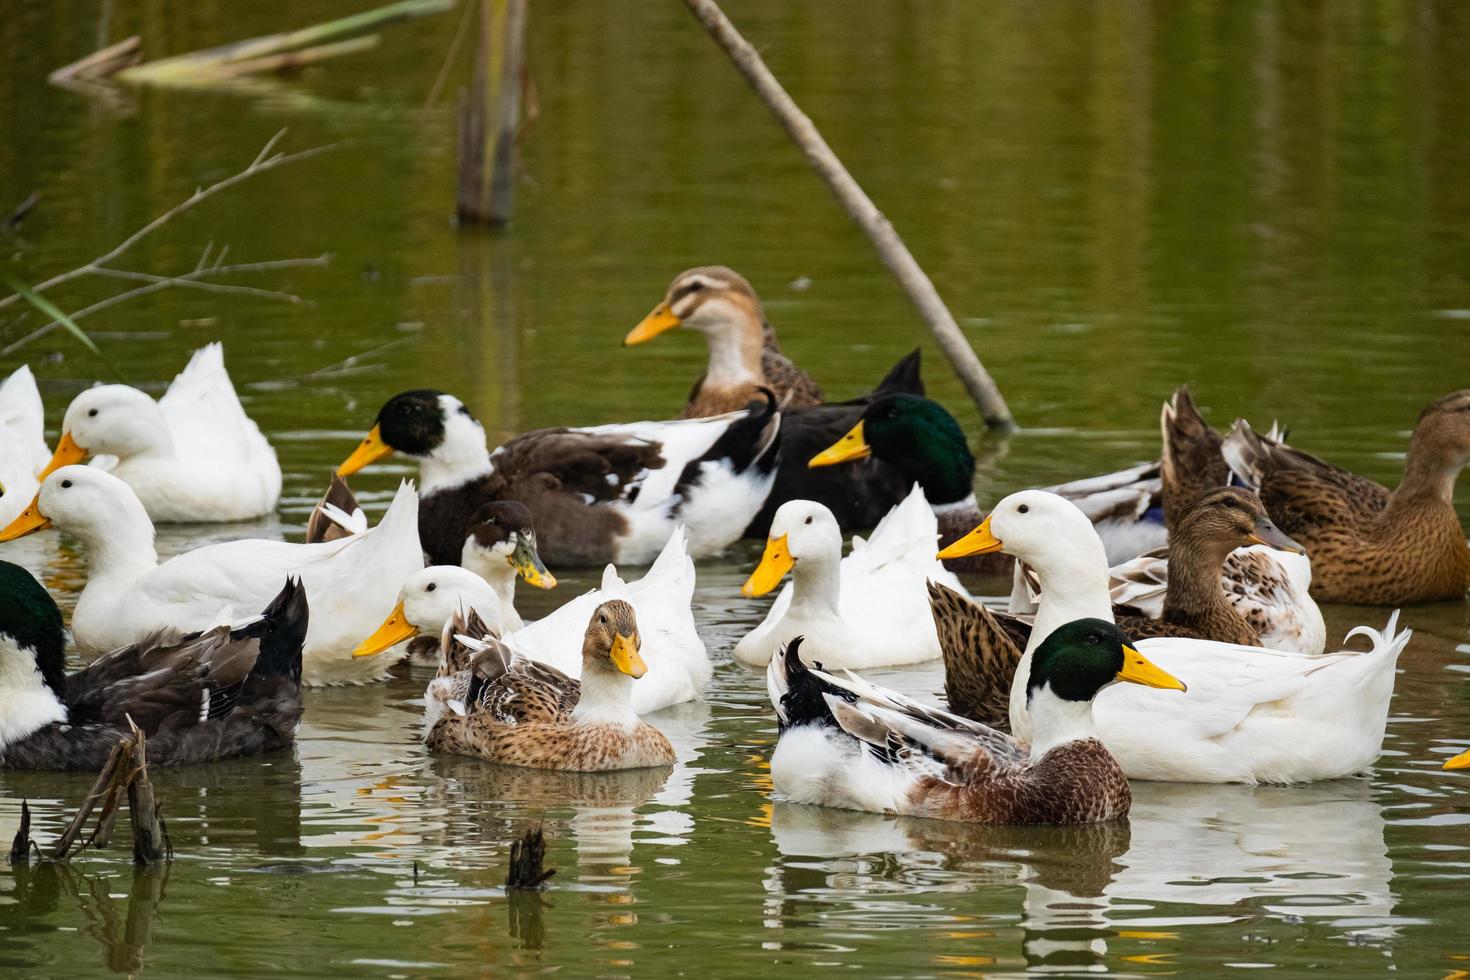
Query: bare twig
point(193, 282)
point(101, 786)
point(263, 162)
point(891, 249)
point(20, 848)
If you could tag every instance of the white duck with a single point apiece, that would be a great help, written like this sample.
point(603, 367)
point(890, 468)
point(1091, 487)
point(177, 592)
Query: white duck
point(1250, 715)
point(678, 667)
point(870, 609)
point(193, 455)
point(351, 583)
point(23, 452)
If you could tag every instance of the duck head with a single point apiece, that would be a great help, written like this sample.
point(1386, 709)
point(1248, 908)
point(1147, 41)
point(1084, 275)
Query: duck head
point(1440, 447)
point(434, 428)
point(915, 435)
point(115, 420)
point(1084, 656)
point(802, 530)
point(427, 600)
point(713, 299)
point(1036, 526)
point(611, 644)
point(1227, 518)
point(31, 634)
point(90, 502)
point(502, 535)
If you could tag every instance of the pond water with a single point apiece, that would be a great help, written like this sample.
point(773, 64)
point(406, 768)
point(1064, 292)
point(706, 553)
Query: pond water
point(1265, 200)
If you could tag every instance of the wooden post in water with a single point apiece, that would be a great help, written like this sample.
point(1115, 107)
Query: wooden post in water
point(489, 115)
point(863, 211)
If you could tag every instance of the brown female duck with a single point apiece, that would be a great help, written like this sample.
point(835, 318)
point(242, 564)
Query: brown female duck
point(743, 354)
point(1370, 545)
point(517, 712)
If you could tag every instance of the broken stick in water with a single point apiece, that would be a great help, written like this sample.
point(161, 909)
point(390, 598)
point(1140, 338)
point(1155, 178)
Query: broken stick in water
point(150, 833)
point(526, 858)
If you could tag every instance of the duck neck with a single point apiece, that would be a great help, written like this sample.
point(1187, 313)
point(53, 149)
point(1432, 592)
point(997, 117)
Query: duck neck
point(1056, 721)
point(492, 568)
point(1430, 472)
point(1074, 585)
point(1195, 594)
point(461, 457)
point(947, 473)
point(607, 696)
point(734, 354)
point(120, 546)
point(816, 584)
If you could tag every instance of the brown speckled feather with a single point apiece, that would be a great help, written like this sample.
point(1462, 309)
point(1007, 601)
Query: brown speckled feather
point(1079, 782)
point(981, 651)
point(1191, 462)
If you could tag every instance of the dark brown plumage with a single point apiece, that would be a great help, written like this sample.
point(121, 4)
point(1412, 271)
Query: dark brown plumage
point(980, 655)
point(323, 525)
point(1369, 545)
point(218, 694)
point(1191, 462)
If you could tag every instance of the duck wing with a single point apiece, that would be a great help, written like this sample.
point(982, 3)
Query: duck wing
point(1304, 495)
point(1191, 462)
point(208, 423)
point(981, 650)
point(337, 515)
point(22, 425)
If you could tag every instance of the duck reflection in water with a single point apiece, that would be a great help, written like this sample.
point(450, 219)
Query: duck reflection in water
point(1093, 896)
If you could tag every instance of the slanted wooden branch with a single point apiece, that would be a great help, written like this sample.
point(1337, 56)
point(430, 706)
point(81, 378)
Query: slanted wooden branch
point(126, 770)
point(863, 211)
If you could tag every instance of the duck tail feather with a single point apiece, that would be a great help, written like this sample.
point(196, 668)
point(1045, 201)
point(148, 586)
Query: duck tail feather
point(904, 377)
point(282, 632)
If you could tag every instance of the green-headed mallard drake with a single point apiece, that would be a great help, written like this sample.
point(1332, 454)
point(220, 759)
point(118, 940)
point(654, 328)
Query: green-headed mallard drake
point(850, 744)
point(1370, 545)
point(1198, 601)
point(924, 442)
point(130, 595)
point(609, 493)
point(518, 712)
point(743, 354)
point(192, 456)
point(219, 694)
point(1250, 715)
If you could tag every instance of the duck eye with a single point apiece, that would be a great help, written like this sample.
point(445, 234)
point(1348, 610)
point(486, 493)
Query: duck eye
point(65, 484)
point(431, 586)
point(891, 413)
point(696, 286)
point(1023, 509)
point(1092, 639)
point(92, 413)
point(808, 519)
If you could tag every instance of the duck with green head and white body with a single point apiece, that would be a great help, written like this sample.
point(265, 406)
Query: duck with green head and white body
point(850, 744)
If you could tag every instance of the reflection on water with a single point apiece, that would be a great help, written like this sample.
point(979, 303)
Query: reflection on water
point(1265, 200)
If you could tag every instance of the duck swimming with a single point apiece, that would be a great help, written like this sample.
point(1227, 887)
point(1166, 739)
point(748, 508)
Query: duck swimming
point(1250, 715)
point(1369, 545)
point(192, 456)
point(519, 712)
point(218, 694)
point(847, 743)
point(743, 354)
point(129, 596)
point(678, 666)
point(867, 610)
point(611, 493)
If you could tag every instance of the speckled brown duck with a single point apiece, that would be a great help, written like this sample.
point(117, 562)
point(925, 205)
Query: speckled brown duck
point(981, 647)
point(744, 356)
point(595, 493)
point(219, 694)
point(514, 711)
point(924, 442)
point(847, 743)
point(1368, 544)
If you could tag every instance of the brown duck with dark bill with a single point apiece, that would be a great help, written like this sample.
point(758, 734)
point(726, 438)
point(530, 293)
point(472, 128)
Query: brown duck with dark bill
point(1370, 545)
point(981, 648)
point(520, 713)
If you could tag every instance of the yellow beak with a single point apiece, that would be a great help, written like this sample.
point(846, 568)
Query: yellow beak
point(369, 451)
point(529, 566)
point(625, 657)
point(978, 542)
point(849, 447)
point(1461, 761)
point(1138, 669)
point(662, 318)
point(67, 453)
point(30, 519)
point(775, 563)
point(395, 629)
